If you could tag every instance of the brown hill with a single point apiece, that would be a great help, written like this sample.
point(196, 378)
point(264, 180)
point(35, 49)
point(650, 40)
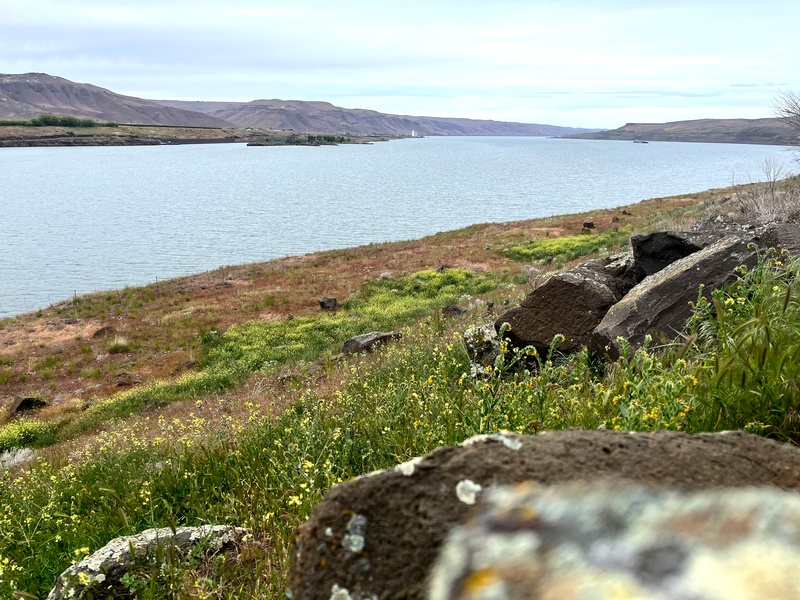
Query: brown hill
point(29, 95)
point(733, 131)
point(324, 117)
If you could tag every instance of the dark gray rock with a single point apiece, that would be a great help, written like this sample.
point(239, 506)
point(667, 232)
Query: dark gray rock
point(783, 236)
point(326, 303)
point(570, 303)
point(25, 403)
point(369, 341)
point(659, 305)
point(453, 310)
point(379, 535)
point(652, 252)
point(623, 541)
point(99, 576)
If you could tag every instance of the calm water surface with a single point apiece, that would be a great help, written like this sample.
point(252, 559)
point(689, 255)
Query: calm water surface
point(77, 220)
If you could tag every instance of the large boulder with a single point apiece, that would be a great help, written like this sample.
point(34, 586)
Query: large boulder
point(378, 536)
point(659, 305)
point(584, 541)
point(99, 576)
point(654, 251)
point(570, 303)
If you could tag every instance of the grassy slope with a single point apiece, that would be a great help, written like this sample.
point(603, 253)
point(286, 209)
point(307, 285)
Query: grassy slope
point(260, 448)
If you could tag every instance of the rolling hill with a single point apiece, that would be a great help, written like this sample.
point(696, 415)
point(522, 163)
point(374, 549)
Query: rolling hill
point(32, 94)
point(319, 117)
point(732, 131)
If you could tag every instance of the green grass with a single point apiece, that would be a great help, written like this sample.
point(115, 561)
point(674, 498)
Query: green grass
point(737, 368)
point(567, 247)
point(258, 345)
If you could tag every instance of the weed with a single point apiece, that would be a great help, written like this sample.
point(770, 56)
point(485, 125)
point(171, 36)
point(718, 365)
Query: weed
point(118, 345)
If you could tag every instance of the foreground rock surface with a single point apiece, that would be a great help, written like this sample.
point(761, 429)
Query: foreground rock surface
point(594, 542)
point(659, 305)
point(99, 575)
point(379, 535)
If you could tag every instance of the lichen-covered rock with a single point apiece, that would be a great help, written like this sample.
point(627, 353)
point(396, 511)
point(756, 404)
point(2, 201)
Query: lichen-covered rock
point(483, 347)
point(659, 305)
point(570, 303)
point(378, 535)
point(600, 541)
point(99, 576)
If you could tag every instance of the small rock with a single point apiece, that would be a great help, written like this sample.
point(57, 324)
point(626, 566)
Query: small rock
point(369, 341)
point(453, 310)
point(103, 332)
point(588, 225)
point(126, 379)
point(99, 576)
point(326, 303)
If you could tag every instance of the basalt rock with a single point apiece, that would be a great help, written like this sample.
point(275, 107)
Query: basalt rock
point(99, 576)
point(593, 541)
point(783, 236)
point(326, 303)
point(654, 251)
point(369, 341)
point(25, 403)
point(378, 536)
point(570, 303)
point(659, 305)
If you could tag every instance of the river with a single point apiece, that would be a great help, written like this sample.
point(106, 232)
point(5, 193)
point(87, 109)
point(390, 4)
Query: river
point(77, 220)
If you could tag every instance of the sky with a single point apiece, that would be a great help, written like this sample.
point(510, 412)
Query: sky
point(580, 63)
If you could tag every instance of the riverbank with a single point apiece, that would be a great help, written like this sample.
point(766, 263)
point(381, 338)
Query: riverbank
point(223, 397)
point(156, 135)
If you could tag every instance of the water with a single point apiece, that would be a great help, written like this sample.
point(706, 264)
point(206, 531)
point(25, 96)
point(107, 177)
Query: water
point(77, 220)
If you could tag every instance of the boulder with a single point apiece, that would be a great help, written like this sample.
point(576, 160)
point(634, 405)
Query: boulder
point(652, 252)
point(659, 305)
point(571, 303)
point(583, 541)
point(783, 236)
point(369, 341)
point(25, 403)
point(99, 576)
point(379, 535)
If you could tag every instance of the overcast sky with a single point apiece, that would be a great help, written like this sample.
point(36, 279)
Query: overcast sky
point(590, 63)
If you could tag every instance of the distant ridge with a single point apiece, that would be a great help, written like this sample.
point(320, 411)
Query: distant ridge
point(32, 94)
point(319, 117)
point(732, 131)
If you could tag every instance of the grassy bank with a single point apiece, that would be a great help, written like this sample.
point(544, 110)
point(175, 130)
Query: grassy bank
point(267, 419)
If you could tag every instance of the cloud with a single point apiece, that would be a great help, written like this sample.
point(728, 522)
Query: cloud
point(505, 59)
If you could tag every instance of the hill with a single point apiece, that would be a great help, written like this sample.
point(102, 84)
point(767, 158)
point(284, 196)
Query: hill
point(29, 95)
point(731, 131)
point(324, 117)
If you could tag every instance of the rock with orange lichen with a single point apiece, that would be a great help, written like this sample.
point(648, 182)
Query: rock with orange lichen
point(602, 541)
